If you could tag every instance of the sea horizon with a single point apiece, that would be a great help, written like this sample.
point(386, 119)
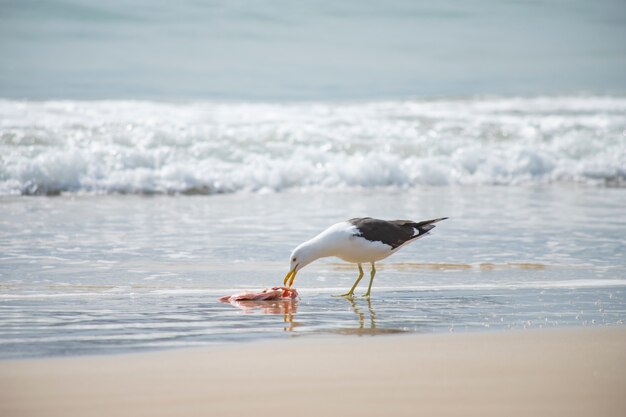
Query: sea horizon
point(276, 50)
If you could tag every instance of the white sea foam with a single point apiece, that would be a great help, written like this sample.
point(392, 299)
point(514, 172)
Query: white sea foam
point(203, 147)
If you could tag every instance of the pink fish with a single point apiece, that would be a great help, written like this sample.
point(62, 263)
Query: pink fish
point(274, 293)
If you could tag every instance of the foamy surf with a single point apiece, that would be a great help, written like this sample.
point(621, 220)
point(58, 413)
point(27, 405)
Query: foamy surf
point(208, 147)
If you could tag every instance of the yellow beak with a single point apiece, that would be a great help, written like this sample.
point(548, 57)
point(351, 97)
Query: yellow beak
point(290, 277)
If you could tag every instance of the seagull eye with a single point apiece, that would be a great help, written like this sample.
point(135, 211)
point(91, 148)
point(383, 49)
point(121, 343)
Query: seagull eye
point(293, 260)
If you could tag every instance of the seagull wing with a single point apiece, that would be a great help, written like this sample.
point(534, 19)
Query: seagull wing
point(394, 233)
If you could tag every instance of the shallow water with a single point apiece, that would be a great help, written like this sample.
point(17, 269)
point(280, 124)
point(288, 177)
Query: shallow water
point(142, 319)
point(111, 273)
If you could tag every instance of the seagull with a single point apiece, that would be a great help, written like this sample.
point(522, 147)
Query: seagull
point(358, 240)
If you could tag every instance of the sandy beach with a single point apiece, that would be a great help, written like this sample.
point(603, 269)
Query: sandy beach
point(569, 372)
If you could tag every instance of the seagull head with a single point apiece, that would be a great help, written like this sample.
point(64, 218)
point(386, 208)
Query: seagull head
point(300, 257)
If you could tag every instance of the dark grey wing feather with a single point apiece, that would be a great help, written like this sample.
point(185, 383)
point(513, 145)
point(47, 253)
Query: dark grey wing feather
point(394, 233)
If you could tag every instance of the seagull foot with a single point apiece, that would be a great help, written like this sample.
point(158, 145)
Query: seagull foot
point(346, 295)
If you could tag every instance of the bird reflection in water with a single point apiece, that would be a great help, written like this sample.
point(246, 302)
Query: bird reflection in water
point(286, 307)
point(361, 316)
point(363, 328)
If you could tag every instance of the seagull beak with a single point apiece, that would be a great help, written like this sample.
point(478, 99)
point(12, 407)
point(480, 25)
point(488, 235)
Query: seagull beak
point(290, 277)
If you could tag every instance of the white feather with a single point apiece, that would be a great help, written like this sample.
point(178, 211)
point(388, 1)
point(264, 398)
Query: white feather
point(342, 240)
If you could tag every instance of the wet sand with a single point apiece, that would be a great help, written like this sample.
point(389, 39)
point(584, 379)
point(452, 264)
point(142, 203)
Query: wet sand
point(568, 372)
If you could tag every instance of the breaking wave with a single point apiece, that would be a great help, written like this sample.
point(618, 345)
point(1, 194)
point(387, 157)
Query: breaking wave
point(209, 147)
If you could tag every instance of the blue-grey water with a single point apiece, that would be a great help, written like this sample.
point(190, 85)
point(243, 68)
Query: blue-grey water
point(117, 273)
point(157, 155)
point(280, 49)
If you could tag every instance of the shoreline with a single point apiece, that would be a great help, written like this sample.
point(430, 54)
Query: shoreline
point(566, 371)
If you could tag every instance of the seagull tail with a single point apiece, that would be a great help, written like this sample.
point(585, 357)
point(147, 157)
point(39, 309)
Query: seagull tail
point(426, 225)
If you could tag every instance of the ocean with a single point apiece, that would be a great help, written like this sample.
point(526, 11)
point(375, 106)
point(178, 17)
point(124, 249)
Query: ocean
point(310, 50)
point(154, 157)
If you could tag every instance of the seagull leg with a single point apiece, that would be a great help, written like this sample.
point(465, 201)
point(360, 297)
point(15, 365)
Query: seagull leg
point(369, 287)
point(351, 292)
